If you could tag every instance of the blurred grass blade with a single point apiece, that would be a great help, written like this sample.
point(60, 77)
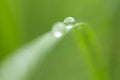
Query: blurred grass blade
point(9, 33)
point(91, 53)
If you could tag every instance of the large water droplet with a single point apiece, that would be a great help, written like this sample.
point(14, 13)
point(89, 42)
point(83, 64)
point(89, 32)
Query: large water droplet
point(58, 29)
point(69, 20)
point(69, 23)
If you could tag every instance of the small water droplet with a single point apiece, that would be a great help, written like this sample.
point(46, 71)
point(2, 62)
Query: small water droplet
point(69, 20)
point(69, 23)
point(58, 29)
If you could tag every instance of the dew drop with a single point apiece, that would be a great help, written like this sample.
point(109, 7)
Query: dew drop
point(69, 23)
point(58, 29)
point(69, 20)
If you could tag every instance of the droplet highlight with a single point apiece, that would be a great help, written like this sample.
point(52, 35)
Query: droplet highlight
point(58, 34)
point(58, 29)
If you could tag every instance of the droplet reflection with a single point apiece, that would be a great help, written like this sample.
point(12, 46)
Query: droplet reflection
point(58, 29)
point(58, 34)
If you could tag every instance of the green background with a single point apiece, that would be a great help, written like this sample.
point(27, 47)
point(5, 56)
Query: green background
point(21, 21)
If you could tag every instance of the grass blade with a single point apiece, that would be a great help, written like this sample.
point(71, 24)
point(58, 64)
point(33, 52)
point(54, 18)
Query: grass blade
point(18, 65)
point(91, 53)
point(9, 32)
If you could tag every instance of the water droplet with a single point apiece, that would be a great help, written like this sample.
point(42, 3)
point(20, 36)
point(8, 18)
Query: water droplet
point(58, 29)
point(69, 20)
point(69, 23)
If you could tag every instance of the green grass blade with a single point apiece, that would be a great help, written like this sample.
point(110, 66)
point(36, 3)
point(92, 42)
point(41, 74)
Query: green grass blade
point(18, 65)
point(91, 53)
point(23, 61)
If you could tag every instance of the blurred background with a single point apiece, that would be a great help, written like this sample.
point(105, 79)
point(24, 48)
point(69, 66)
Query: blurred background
point(21, 21)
